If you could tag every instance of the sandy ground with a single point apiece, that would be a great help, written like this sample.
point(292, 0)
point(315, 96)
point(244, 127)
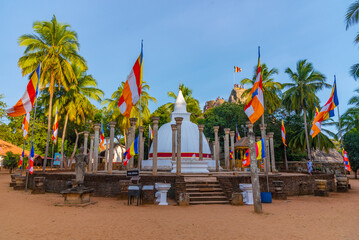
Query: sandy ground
point(26, 216)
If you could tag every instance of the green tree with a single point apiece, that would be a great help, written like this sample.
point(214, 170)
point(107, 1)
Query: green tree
point(351, 18)
point(122, 121)
point(56, 47)
point(2, 108)
point(350, 119)
point(351, 146)
point(301, 93)
point(192, 103)
point(11, 161)
point(75, 103)
point(271, 89)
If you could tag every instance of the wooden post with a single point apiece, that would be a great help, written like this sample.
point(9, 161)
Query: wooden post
point(154, 144)
point(200, 150)
point(179, 153)
point(215, 129)
point(107, 139)
point(112, 136)
point(96, 127)
point(254, 170)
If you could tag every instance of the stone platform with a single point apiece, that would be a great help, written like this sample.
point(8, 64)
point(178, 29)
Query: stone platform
point(107, 185)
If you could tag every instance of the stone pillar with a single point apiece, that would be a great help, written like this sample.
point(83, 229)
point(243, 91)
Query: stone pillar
point(254, 170)
point(200, 150)
point(214, 151)
point(216, 128)
point(142, 148)
point(86, 136)
point(174, 129)
point(154, 144)
point(266, 160)
point(107, 139)
point(96, 127)
point(179, 152)
point(271, 143)
point(232, 149)
point(92, 137)
point(267, 166)
point(110, 155)
point(132, 134)
point(226, 147)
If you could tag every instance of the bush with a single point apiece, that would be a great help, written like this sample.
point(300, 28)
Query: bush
point(11, 161)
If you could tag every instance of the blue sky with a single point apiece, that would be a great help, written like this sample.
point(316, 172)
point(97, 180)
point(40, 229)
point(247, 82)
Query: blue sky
point(193, 42)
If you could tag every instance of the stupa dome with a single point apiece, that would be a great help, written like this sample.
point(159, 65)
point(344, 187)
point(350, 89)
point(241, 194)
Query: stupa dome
point(189, 135)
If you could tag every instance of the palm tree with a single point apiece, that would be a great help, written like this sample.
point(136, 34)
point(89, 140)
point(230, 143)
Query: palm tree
point(351, 18)
point(192, 103)
point(56, 47)
point(122, 121)
point(271, 89)
point(350, 119)
point(75, 103)
point(300, 95)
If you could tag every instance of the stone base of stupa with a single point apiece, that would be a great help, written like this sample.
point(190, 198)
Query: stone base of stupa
point(187, 165)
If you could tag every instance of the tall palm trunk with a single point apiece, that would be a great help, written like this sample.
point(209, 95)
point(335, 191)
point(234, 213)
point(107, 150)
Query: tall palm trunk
point(306, 132)
point(75, 147)
point(63, 163)
point(49, 120)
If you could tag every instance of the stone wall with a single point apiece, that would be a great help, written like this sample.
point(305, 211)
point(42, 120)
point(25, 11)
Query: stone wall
point(301, 166)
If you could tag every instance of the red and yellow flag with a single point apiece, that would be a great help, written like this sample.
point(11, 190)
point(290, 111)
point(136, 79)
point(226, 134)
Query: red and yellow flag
point(25, 125)
point(283, 134)
point(55, 128)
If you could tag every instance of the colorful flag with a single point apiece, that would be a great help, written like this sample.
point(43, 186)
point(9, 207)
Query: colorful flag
point(230, 154)
point(150, 132)
point(254, 107)
point(26, 102)
point(132, 90)
point(238, 137)
point(246, 159)
point(237, 69)
point(132, 151)
point(31, 160)
point(55, 129)
point(260, 149)
point(346, 161)
point(326, 112)
point(21, 159)
point(310, 166)
point(102, 143)
point(283, 134)
point(25, 125)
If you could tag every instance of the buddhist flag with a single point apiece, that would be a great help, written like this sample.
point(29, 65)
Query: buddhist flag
point(132, 151)
point(26, 102)
point(132, 90)
point(230, 154)
point(283, 134)
point(21, 159)
point(246, 160)
point(326, 112)
point(31, 160)
point(237, 69)
point(346, 161)
point(25, 125)
point(102, 143)
point(260, 149)
point(238, 137)
point(55, 129)
point(254, 107)
point(150, 132)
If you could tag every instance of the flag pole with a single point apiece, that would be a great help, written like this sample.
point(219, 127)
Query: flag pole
point(52, 155)
point(23, 150)
point(139, 120)
point(340, 130)
point(32, 137)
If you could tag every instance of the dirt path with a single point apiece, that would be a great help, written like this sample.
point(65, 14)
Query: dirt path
point(26, 216)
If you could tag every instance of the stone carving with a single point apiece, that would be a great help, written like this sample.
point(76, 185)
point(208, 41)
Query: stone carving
point(81, 161)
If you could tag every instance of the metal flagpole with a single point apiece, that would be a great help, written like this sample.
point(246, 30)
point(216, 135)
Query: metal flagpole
point(23, 150)
point(340, 132)
point(139, 120)
point(32, 137)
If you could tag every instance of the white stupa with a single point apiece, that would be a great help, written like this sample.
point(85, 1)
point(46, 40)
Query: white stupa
point(189, 144)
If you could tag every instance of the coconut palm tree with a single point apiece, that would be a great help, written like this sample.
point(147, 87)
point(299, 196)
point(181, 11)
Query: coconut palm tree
point(75, 103)
point(192, 103)
point(122, 121)
point(351, 18)
point(350, 119)
point(56, 47)
point(300, 95)
point(271, 89)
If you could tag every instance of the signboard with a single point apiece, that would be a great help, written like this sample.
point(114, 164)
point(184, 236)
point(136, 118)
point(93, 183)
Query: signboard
point(131, 173)
point(57, 159)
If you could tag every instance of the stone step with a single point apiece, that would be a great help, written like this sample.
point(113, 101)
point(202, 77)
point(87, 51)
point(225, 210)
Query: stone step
point(200, 179)
point(203, 189)
point(208, 202)
point(207, 197)
point(203, 185)
point(207, 194)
